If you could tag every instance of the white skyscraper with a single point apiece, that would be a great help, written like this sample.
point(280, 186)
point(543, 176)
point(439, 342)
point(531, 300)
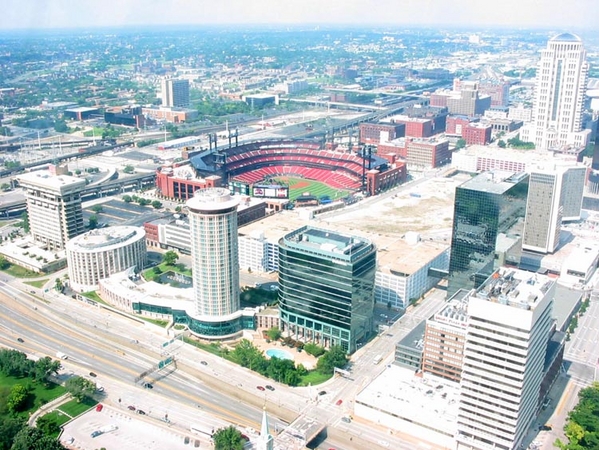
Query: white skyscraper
point(559, 96)
point(53, 206)
point(506, 341)
point(215, 259)
point(554, 195)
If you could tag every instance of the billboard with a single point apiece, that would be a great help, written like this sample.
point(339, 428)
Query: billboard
point(270, 191)
point(238, 187)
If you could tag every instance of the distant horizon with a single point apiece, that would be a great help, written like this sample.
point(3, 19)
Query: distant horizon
point(513, 14)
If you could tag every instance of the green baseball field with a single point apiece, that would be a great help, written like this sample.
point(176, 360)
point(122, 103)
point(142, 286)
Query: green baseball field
point(299, 186)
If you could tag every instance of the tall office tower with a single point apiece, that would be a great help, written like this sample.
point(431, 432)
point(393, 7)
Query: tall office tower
point(488, 219)
point(326, 287)
point(54, 207)
point(554, 195)
point(506, 341)
point(559, 96)
point(175, 93)
point(215, 261)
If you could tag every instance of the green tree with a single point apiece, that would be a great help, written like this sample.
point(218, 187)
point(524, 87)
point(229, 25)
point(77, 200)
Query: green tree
point(97, 209)
point(25, 222)
point(34, 439)
point(80, 388)
point(247, 354)
point(335, 357)
point(127, 198)
point(44, 367)
point(273, 333)
point(17, 397)
point(129, 169)
point(60, 126)
point(170, 258)
point(5, 187)
point(228, 439)
point(48, 425)
point(9, 427)
point(461, 143)
point(156, 204)
point(313, 349)
point(58, 285)
point(93, 222)
point(4, 264)
point(501, 143)
point(15, 363)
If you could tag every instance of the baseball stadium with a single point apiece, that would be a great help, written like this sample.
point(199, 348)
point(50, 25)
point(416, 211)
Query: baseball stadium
point(297, 170)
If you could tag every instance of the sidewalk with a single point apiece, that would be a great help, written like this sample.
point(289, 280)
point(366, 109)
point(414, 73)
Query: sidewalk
point(48, 407)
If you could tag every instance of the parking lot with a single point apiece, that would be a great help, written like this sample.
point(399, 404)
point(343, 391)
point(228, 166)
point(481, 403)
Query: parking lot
point(131, 432)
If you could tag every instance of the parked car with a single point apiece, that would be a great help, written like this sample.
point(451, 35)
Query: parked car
point(141, 412)
point(260, 388)
point(92, 374)
point(322, 393)
point(95, 433)
point(99, 407)
point(339, 402)
point(131, 408)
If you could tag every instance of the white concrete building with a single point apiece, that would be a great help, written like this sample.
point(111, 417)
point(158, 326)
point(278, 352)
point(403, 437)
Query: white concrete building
point(100, 253)
point(214, 250)
point(559, 96)
point(506, 341)
point(554, 195)
point(258, 253)
point(53, 207)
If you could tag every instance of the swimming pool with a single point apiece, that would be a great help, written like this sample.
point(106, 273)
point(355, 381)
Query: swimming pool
point(281, 354)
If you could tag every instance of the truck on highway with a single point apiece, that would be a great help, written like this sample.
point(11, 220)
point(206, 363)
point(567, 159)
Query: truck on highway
point(61, 355)
point(377, 359)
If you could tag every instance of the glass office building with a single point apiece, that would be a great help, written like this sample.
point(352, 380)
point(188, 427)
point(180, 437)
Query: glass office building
point(326, 287)
point(488, 223)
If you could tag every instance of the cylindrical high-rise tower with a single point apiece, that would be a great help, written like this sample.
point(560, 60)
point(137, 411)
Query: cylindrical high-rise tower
point(213, 222)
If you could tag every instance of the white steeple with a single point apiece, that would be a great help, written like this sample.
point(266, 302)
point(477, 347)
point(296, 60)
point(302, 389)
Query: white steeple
point(266, 441)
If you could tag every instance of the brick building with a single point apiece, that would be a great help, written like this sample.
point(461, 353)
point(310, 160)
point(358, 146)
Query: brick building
point(373, 133)
point(477, 133)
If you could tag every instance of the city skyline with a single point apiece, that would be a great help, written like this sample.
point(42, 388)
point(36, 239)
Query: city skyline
point(574, 15)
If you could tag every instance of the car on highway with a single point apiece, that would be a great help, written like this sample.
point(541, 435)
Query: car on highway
point(131, 408)
point(203, 363)
point(95, 433)
point(93, 375)
point(346, 419)
point(338, 403)
point(260, 388)
point(20, 340)
point(322, 393)
point(141, 412)
point(148, 385)
point(269, 387)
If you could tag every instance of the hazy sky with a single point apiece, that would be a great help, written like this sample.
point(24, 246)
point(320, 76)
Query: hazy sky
point(563, 14)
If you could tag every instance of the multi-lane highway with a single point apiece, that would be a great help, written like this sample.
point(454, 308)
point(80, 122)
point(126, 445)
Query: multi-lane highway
point(117, 348)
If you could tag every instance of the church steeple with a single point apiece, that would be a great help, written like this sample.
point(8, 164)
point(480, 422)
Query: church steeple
point(266, 441)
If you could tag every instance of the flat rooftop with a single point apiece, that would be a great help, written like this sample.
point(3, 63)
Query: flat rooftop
point(45, 179)
point(494, 181)
point(428, 401)
point(515, 287)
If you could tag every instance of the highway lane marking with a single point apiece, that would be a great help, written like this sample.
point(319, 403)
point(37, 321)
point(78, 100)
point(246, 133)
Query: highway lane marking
point(240, 420)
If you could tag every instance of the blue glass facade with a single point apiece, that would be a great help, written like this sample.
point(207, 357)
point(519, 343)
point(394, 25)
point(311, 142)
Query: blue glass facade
point(326, 286)
point(491, 205)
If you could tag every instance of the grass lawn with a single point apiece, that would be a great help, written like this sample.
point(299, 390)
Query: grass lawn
point(150, 274)
point(297, 186)
point(59, 417)
point(38, 396)
point(73, 408)
point(20, 272)
point(92, 295)
point(160, 323)
point(314, 378)
point(37, 283)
